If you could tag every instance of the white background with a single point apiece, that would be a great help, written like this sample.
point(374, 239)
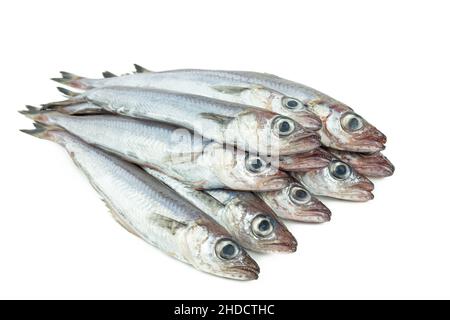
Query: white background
point(387, 59)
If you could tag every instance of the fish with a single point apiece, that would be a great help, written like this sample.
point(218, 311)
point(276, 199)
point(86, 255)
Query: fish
point(250, 129)
point(315, 159)
point(155, 213)
point(339, 180)
point(211, 85)
point(373, 165)
point(202, 164)
point(244, 216)
point(296, 203)
point(342, 128)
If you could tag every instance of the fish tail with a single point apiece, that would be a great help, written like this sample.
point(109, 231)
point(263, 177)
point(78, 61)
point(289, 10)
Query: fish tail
point(39, 115)
point(74, 98)
point(72, 80)
point(68, 93)
point(42, 131)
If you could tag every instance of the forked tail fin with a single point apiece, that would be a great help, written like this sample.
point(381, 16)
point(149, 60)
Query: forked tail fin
point(74, 81)
point(41, 131)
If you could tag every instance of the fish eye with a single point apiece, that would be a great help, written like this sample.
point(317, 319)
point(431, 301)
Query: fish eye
point(227, 249)
point(340, 170)
point(255, 164)
point(262, 226)
point(283, 126)
point(352, 122)
point(299, 195)
point(291, 103)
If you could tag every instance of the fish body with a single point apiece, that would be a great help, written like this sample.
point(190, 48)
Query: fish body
point(341, 127)
point(177, 152)
point(155, 213)
point(374, 165)
point(214, 84)
point(248, 128)
point(296, 203)
point(251, 223)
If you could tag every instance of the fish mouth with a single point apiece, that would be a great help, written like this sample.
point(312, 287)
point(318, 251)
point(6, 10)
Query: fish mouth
point(360, 191)
point(302, 142)
point(371, 142)
point(317, 214)
point(246, 272)
point(376, 166)
point(281, 247)
point(274, 184)
point(313, 160)
point(309, 121)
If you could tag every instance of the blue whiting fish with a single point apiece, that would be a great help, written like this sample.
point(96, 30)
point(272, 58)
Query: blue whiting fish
point(338, 180)
point(155, 213)
point(246, 217)
point(374, 165)
point(305, 161)
point(199, 163)
point(209, 85)
point(296, 203)
point(342, 128)
point(250, 129)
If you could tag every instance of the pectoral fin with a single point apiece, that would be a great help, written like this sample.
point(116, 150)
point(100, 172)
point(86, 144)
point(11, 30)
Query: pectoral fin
point(217, 118)
point(234, 90)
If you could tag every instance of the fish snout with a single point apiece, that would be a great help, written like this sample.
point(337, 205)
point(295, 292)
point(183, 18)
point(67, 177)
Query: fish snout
point(309, 121)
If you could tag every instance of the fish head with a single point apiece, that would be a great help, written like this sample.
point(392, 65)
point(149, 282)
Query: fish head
point(296, 110)
point(255, 225)
point(343, 129)
point(279, 103)
point(240, 170)
point(210, 248)
point(296, 203)
point(266, 133)
point(338, 180)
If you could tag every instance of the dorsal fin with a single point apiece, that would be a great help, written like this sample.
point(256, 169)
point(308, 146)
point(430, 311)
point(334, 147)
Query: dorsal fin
point(141, 69)
point(107, 74)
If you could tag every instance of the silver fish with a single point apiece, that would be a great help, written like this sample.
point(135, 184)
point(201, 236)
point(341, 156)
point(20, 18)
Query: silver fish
point(212, 85)
point(374, 165)
point(342, 128)
point(338, 180)
point(177, 152)
point(248, 128)
point(155, 213)
point(245, 217)
point(311, 160)
point(296, 203)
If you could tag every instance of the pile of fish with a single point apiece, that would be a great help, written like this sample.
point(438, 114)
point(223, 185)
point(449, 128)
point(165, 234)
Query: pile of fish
point(206, 164)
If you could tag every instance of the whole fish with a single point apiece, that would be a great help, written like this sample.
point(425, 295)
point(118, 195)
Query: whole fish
point(211, 85)
point(296, 203)
point(176, 152)
point(338, 180)
point(342, 128)
point(374, 165)
point(248, 128)
point(245, 217)
point(155, 213)
point(315, 159)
